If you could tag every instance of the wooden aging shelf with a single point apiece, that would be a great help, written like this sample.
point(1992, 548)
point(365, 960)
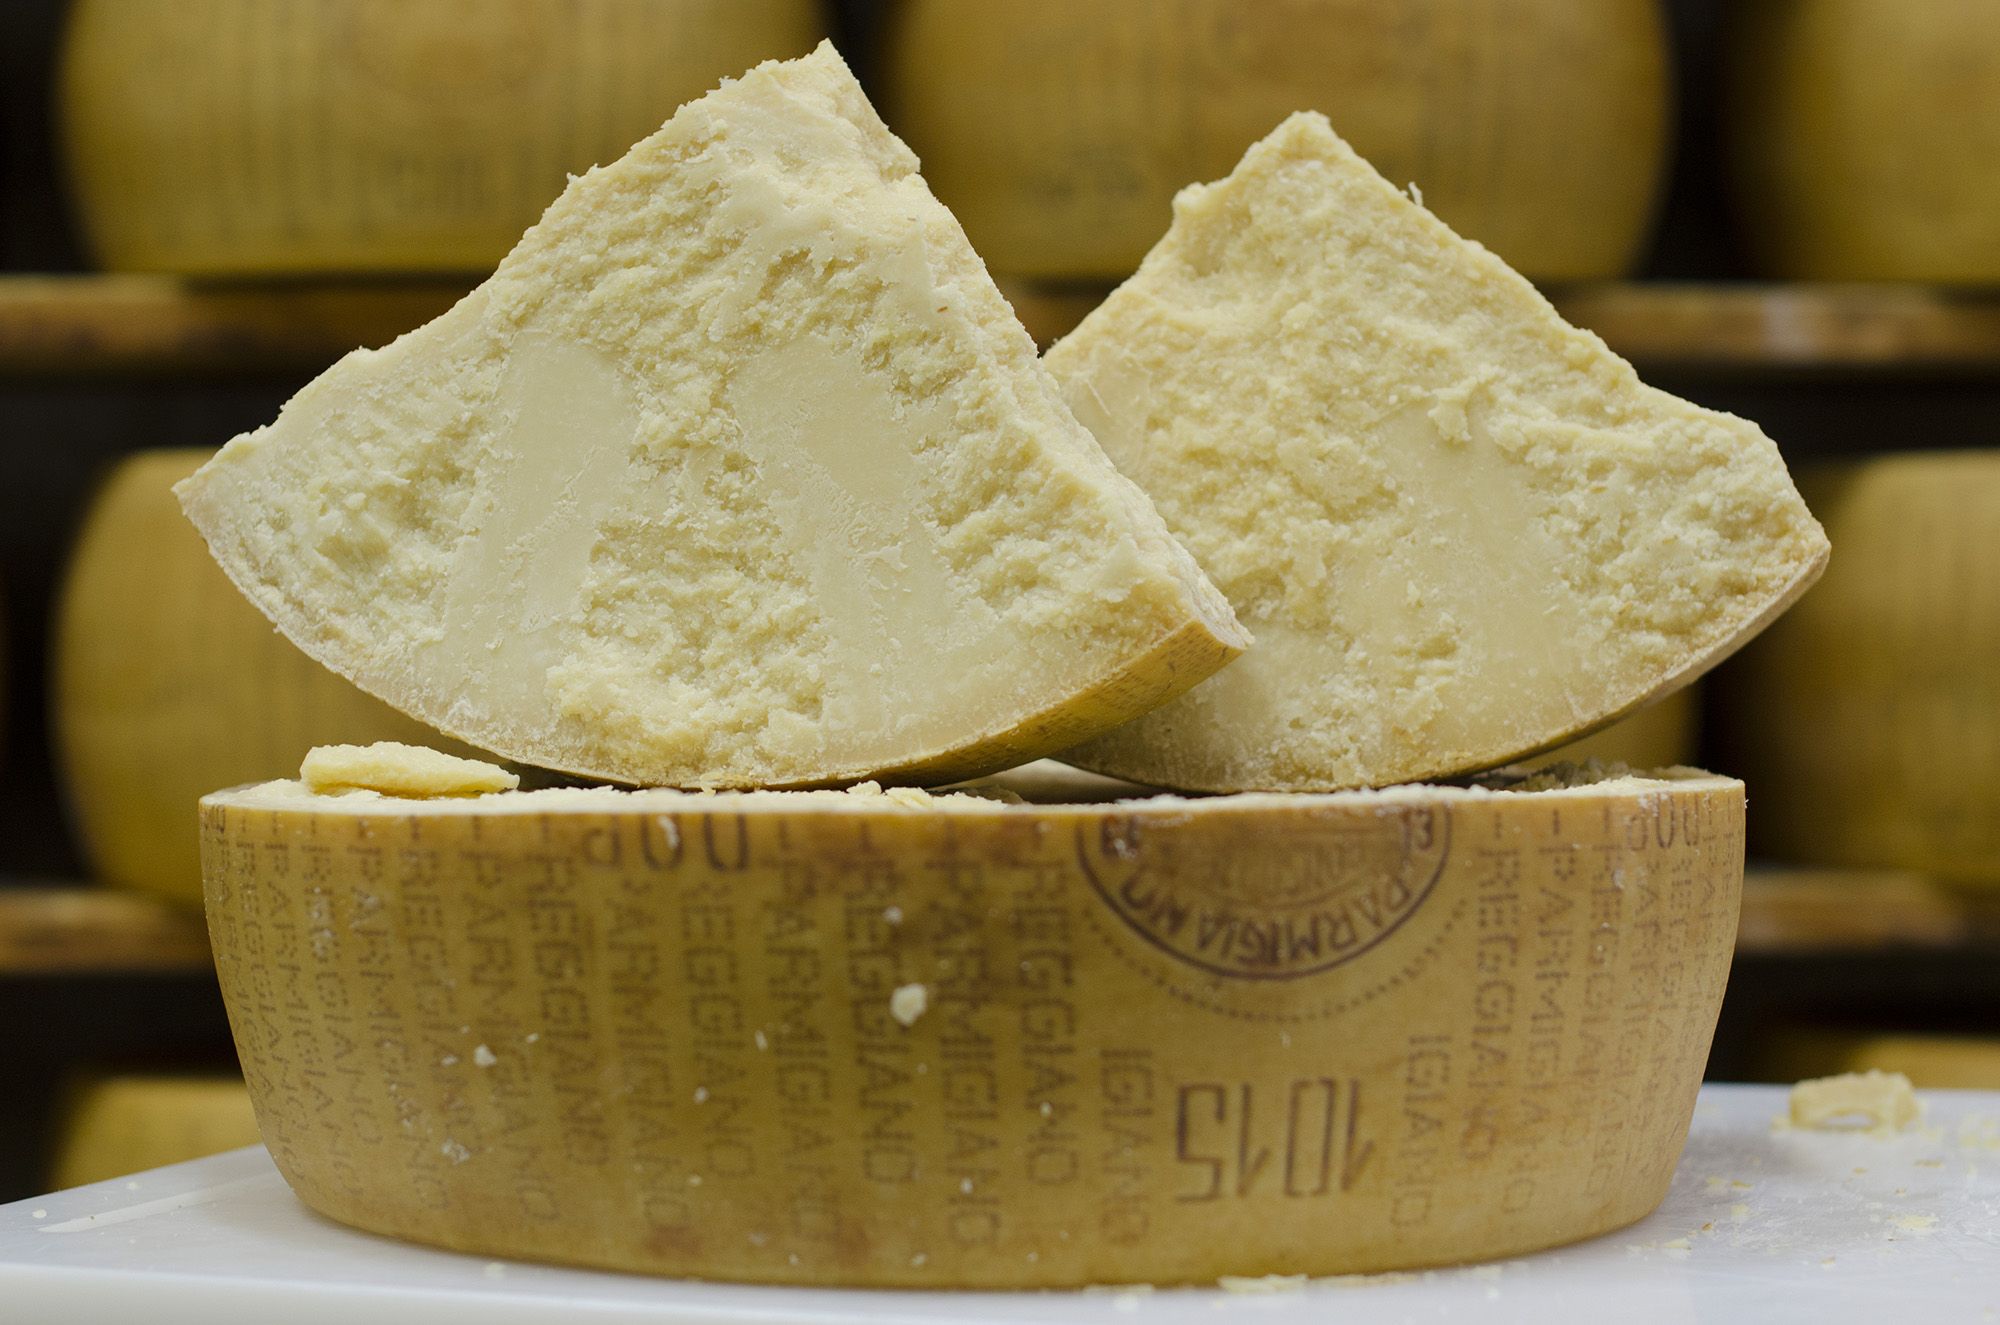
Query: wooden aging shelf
point(71, 931)
point(1724, 330)
point(84, 326)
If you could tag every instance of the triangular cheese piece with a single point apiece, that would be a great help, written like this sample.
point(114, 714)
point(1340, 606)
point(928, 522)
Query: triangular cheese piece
point(1460, 529)
point(738, 471)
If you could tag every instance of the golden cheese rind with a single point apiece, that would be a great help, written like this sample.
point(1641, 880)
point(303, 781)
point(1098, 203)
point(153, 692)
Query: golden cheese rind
point(1160, 1040)
point(208, 139)
point(1461, 530)
point(1869, 718)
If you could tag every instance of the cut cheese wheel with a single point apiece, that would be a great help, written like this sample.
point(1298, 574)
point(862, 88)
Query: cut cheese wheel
point(212, 137)
point(1059, 132)
point(1662, 735)
point(1864, 137)
point(168, 685)
point(117, 1125)
point(1869, 720)
point(738, 471)
point(1461, 530)
point(898, 1038)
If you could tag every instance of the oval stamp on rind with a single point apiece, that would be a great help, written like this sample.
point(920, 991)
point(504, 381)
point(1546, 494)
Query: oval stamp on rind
point(1281, 908)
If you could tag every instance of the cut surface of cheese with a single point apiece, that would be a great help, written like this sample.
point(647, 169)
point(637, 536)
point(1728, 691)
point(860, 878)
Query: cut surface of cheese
point(971, 1039)
point(1461, 530)
point(738, 471)
point(123, 1124)
point(215, 138)
point(396, 769)
point(1869, 719)
point(168, 685)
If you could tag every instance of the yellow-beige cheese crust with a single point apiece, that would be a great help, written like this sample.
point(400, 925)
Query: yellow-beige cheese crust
point(956, 1040)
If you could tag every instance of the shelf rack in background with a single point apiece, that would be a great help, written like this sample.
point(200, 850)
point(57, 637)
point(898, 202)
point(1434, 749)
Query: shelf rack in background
point(110, 326)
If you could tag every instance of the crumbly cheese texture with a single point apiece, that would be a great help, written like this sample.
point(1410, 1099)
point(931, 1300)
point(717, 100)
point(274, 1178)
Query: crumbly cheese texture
point(738, 471)
point(395, 769)
point(1460, 529)
point(1885, 1099)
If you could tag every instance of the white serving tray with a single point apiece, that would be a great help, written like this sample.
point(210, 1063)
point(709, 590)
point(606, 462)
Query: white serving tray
point(1761, 1225)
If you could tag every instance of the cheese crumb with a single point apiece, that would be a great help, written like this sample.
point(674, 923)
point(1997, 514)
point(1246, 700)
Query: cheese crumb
point(394, 769)
point(908, 1003)
point(1884, 1098)
point(1268, 1283)
point(483, 1056)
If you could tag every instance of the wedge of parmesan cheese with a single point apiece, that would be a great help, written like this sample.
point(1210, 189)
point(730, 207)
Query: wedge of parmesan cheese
point(738, 471)
point(1461, 530)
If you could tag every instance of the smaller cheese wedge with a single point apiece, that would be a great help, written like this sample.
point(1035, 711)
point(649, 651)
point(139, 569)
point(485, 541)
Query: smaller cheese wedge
point(738, 471)
point(1461, 530)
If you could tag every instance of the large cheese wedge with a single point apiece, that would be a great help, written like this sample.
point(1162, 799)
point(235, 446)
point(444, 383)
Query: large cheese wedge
point(737, 471)
point(218, 138)
point(166, 685)
point(1869, 720)
point(956, 1040)
point(120, 1124)
point(1460, 529)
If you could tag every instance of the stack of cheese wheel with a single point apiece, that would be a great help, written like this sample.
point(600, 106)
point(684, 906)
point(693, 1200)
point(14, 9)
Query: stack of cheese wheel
point(216, 138)
point(1059, 132)
point(167, 685)
point(958, 1040)
point(1868, 719)
point(1865, 137)
point(117, 1125)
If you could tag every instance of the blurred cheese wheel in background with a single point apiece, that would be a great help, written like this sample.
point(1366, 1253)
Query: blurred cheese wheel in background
point(1866, 721)
point(1866, 138)
point(1662, 735)
point(126, 1124)
point(169, 685)
point(1931, 1062)
point(1059, 131)
point(215, 137)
